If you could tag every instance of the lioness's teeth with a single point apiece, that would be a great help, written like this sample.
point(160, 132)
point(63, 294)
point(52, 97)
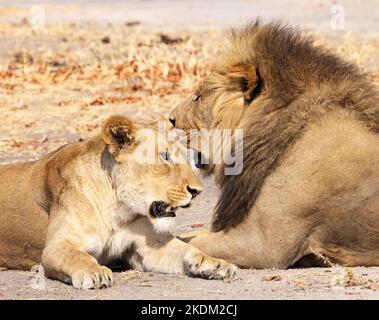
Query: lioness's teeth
point(162, 209)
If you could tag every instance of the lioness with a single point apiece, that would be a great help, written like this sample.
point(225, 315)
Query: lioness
point(90, 202)
point(310, 179)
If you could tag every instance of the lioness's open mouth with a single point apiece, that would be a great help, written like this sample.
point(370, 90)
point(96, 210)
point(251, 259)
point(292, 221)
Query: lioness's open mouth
point(160, 209)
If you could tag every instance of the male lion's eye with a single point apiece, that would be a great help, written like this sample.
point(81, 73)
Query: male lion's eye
point(165, 156)
point(197, 96)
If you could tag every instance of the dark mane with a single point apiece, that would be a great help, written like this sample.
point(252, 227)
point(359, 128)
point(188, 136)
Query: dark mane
point(301, 82)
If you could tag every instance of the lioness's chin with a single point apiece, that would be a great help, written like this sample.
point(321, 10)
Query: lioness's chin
point(164, 225)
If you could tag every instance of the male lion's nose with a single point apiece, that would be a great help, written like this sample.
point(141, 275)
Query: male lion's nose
point(173, 122)
point(194, 192)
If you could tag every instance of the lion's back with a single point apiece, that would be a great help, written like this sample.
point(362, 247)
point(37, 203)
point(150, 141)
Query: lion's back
point(23, 223)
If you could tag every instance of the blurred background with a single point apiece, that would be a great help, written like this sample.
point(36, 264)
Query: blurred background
point(360, 15)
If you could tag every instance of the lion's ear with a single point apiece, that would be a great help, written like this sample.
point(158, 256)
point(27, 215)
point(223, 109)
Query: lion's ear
point(244, 77)
point(118, 132)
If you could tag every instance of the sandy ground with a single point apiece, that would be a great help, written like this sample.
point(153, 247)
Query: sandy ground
point(313, 283)
point(58, 82)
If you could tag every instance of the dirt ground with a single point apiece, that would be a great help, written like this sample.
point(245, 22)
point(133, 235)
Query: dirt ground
point(312, 283)
point(59, 81)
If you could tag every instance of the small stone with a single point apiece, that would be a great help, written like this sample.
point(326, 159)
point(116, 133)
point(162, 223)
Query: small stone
point(271, 278)
point(106, 40)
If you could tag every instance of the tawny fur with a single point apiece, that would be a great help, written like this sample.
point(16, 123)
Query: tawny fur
point(325, 197)
point(86, 204)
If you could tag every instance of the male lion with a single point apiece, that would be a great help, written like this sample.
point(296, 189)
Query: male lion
point(93, 202)
point(310, 179)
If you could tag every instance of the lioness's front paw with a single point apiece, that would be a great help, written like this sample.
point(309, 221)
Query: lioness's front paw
point(95, 278)
point(206, 267)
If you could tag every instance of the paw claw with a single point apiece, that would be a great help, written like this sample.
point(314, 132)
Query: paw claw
point(97, 278)
point(207, 267)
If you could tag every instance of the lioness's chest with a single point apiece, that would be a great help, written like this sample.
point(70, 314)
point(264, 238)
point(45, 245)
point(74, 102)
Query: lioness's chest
point(108, 248)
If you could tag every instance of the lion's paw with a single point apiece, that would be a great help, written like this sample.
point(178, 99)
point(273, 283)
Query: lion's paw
point(206, 267)
point(94, 278)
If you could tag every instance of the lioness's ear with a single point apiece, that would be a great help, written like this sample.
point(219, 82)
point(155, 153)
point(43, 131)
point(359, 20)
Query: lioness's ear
point(118, 132)
point(244, 77)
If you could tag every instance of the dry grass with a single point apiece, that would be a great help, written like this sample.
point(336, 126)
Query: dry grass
point(58, 84)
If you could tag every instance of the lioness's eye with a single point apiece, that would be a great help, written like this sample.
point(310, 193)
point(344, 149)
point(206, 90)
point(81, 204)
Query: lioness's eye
point(197, 96)
point(165, 156)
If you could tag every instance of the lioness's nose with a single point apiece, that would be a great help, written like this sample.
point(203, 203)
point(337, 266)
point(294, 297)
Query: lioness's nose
point(193, 191)
point(173, 121)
